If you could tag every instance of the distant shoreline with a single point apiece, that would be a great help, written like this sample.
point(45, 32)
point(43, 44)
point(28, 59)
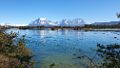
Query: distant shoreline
point(112, 29)
point(63, 28)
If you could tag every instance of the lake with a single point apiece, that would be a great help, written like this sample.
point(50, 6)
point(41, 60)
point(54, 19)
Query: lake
point(60, 48)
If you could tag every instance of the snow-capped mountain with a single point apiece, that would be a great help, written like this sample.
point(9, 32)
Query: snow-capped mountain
point(74, 22)
point(64, 22)
point(42, 22)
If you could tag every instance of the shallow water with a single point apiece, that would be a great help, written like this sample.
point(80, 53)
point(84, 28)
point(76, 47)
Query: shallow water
point(59, 48)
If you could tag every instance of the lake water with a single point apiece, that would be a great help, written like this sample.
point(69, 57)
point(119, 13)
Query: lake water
point(59, 48)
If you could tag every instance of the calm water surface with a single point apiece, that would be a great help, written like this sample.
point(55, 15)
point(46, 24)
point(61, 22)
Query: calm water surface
point(61, 47)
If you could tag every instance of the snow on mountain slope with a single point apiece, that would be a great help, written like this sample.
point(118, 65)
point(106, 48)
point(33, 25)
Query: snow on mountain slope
point(64, 22)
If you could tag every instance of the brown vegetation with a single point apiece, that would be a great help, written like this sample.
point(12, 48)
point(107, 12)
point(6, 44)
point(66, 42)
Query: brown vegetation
point(13, 54)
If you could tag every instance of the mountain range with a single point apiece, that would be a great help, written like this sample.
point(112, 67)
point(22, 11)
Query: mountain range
point(107, 23)
point(64, 22)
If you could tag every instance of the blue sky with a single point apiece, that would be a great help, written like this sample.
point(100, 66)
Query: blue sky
point(25, 11)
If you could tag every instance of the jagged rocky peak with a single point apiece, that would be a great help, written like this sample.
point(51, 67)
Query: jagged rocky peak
point(39, 22)
point(73, 22)
point(43, 21)
point(64, 22)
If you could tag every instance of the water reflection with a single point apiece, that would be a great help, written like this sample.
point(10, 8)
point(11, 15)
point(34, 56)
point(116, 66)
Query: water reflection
point(59, 47)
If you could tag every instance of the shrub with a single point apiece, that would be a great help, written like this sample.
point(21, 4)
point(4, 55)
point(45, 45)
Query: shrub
point(14, 50)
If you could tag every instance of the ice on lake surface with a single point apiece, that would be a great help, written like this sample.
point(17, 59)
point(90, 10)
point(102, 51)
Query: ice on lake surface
point(59, 48)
